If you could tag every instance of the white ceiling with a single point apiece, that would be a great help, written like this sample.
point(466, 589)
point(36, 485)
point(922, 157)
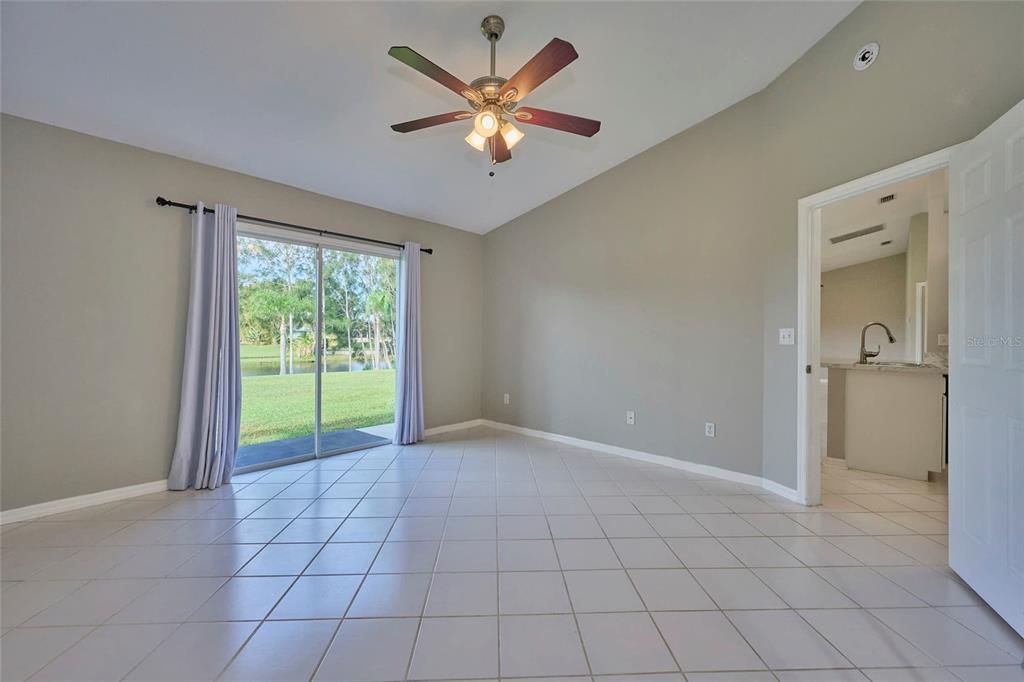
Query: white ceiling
point(303, 93)
point(863, 211)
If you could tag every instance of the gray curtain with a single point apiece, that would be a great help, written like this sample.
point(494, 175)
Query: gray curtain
point(211, 383)
point(409, 389)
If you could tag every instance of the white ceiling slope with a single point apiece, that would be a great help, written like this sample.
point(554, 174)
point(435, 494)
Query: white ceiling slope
point(303, 93)
point(865, 210)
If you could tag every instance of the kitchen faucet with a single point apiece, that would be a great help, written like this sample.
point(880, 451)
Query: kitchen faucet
point(864, 352)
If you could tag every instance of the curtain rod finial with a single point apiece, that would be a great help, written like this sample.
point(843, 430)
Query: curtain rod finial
point(160, 201)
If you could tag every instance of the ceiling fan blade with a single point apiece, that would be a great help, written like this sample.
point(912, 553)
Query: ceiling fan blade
point(555, 56)
point(414, 59)
point(499, 150)
point(430, 121)
point(552, 119)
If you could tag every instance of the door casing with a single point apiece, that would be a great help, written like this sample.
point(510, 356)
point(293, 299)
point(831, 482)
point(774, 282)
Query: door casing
point(808, 322)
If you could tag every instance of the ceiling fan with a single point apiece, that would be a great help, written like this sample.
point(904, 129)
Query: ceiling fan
point(495, 100)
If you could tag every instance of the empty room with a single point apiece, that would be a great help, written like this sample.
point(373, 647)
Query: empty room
point(568, 341)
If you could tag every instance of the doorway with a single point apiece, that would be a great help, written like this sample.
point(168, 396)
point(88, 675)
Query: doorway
point(985, 239)
point(317, 322)
point(811, 407)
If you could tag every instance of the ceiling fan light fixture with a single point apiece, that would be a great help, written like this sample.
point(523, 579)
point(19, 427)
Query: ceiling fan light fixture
point(494, 99)
point(486, 123)
point(476, 141)
point(511, 134)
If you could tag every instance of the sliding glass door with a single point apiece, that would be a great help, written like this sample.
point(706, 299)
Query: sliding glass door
point(317, 336)
point(277, 323)
point(357, 385)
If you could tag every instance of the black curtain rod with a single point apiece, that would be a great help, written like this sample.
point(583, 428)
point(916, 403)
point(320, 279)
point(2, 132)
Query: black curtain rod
point(160, 201)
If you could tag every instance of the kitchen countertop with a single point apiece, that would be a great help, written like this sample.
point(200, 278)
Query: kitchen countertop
point(881, 367)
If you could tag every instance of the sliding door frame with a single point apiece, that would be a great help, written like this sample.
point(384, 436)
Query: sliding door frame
point(319, 243)
point(318, 340)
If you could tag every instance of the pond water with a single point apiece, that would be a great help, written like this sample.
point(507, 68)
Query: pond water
point(256, 367)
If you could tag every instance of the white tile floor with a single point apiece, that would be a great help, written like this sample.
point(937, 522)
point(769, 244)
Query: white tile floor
point(485, 555)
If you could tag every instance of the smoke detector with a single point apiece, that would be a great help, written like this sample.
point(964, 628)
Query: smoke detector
point(865, 56)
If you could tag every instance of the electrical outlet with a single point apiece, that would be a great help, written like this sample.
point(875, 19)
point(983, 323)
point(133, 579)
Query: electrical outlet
point(630, 417)
point(786, 336)
point(943, 339)
point(709, 429)
point(507, 399)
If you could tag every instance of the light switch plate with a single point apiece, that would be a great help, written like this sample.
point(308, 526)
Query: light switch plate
point(943, 339)
point(507, 399)
point(630, 417)
point(787, 336)
point(709, 429)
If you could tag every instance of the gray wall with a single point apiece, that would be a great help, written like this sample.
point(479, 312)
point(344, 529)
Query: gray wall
point(660, 285)
point(95, 289)
point(853, 296)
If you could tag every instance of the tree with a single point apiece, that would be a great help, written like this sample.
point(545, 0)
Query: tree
point(342, 296)
point(378, 276)
point(276, 293)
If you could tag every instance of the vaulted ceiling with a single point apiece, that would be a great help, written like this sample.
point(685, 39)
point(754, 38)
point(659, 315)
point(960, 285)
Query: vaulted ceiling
point(909, 197)
point(304, 93)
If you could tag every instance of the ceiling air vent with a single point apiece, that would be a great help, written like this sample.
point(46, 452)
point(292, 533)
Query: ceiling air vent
point(887, 198)
point(856, 233)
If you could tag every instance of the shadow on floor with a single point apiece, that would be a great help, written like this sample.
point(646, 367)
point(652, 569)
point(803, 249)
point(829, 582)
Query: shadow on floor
point(264, 453)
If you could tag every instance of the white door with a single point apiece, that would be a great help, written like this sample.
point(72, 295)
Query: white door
point(986, 388)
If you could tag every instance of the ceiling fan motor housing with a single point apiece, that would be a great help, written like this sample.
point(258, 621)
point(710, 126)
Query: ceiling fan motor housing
point(488, 87)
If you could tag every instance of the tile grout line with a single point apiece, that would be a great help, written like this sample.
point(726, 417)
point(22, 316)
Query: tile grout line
point(711, 493)
point(296, 577)
point(355, 593)
point(565, 583)
point(430, 587)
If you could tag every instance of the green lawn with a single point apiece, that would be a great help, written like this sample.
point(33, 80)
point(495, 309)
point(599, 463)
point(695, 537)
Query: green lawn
point(250, 351)
point(276, 407)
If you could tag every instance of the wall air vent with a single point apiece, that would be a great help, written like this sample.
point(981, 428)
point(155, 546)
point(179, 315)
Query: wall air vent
point(887, 198)
point(856, 233)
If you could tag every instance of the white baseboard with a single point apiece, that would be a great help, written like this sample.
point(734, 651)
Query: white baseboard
point(67, 504)
point(783, 491)
point(461, 426)
point(704, 469)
